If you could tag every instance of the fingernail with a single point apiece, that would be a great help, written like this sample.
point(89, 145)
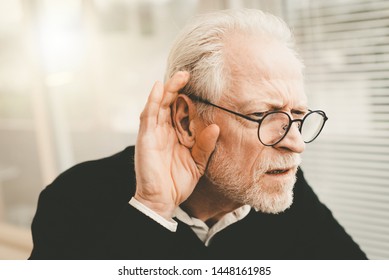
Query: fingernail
point(182, 76)
point(185, 75)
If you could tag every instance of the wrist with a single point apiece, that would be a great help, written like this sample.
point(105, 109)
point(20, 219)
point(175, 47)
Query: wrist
point(165, 210)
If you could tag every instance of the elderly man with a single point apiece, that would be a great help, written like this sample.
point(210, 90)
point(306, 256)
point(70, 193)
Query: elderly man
point(215, 171)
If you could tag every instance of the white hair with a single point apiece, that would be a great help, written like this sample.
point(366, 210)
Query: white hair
point(199, 48)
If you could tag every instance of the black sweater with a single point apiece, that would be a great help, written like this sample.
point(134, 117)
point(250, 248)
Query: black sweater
point(84, 214)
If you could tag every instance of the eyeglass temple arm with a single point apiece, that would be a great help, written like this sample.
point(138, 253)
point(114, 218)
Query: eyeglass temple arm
point(199, 99)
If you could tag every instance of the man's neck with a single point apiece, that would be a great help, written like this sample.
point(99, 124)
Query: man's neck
point(207, 203)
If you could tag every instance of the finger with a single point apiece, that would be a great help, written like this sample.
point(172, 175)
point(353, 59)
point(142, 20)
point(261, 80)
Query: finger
point(204, 146)
point(149, 114)
point(172, 86)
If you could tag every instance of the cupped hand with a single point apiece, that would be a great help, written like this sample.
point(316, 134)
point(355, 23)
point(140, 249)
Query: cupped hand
point(166, 171)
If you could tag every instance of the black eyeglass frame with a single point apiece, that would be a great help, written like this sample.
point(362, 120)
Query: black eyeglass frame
point(259, 121)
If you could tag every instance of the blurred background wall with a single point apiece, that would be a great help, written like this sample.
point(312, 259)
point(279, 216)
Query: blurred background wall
point(75, 74)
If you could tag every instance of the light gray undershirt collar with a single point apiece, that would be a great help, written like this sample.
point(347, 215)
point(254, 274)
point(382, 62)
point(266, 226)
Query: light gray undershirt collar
point(201, 229)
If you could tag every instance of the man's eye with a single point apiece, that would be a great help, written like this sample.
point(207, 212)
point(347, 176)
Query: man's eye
point(258, 115)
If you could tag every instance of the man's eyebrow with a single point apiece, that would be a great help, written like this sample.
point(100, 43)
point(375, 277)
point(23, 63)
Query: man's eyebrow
point(272, 106)
point(265, 103)
point(299, 109)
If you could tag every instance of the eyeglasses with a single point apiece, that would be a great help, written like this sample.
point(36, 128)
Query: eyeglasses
point(275, 125)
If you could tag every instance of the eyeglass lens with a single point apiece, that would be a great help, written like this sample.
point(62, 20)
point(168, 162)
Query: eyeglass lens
point(313, 123)
point(274, 126)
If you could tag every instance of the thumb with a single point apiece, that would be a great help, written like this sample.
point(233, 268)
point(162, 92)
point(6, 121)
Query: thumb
point(204, 146)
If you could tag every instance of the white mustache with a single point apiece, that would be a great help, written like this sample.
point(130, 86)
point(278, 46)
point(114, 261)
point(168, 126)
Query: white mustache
point(280, 162)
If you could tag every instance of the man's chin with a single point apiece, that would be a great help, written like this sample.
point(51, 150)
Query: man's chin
point(273, 194)
point(274, 205)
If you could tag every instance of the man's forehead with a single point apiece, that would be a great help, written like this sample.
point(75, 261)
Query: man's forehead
point(264, 71)
point(268, 94)
point(261, 56)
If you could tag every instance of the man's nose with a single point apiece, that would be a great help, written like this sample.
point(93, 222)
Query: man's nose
point(293, 141)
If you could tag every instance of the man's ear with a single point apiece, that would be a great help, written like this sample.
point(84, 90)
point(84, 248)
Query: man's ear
point(183, 113)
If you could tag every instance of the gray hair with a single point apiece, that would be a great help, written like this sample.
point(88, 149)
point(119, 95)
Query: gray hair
point(199, 48)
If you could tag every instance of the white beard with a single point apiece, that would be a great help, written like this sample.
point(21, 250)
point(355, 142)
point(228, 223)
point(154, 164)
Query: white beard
point(265, 193)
